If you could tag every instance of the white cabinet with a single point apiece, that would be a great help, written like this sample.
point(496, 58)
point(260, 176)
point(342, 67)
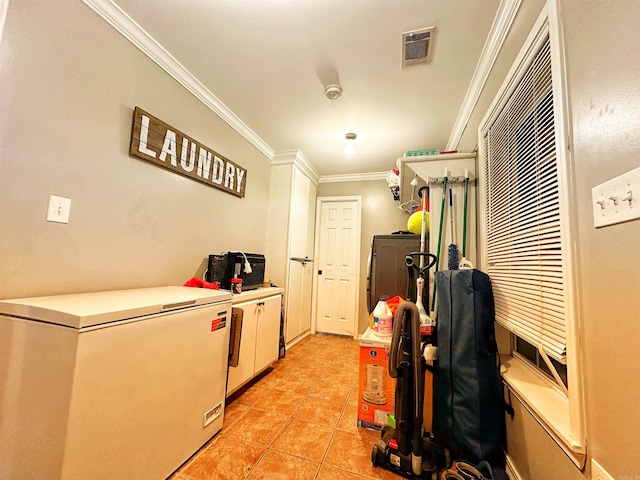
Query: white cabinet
point(300, 281)
point(290, 236)
point(259, 341)
point(267, 332)
point(300, 273)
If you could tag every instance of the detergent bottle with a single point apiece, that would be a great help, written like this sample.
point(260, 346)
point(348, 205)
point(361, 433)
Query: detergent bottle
point(382, 319)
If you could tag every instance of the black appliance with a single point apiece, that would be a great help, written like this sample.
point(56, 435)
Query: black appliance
point(222, 268)
point(388, 275)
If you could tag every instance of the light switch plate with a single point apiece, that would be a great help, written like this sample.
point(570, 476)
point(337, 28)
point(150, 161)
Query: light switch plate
point(617, 200)
point(58, 209)
point(599, 473)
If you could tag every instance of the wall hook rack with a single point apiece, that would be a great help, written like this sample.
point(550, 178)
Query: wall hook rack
point(450, 180)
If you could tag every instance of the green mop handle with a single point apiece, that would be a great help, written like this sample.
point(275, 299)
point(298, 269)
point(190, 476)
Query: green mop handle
point(444, 195)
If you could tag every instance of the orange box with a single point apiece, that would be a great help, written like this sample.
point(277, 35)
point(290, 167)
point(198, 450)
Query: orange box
point(376, 389)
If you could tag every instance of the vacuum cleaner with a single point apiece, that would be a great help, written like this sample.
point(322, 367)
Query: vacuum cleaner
point(404, 449)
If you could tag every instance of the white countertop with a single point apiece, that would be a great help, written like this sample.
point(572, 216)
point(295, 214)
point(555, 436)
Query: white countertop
point(255, 294)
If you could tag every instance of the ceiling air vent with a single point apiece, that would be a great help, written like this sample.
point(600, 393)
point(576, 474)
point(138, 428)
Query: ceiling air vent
point(416, 47)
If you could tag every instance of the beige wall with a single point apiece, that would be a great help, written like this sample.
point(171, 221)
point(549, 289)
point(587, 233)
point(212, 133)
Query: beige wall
point(601, 49)
point(380, 215)
point(602, 41)
point(68, 85)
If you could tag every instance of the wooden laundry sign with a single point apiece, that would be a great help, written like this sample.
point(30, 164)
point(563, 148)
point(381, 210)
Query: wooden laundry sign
point(155, 141)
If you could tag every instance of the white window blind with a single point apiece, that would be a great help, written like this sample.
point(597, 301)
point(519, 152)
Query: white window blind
point(524, 248)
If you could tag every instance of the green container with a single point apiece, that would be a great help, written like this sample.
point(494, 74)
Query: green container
point(392, 420)
point(417, 153)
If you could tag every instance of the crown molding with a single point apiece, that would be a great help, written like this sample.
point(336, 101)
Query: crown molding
point(133, 32)
point(505, 16)
point(297, 158)
point(353, 177)
point(4, 7)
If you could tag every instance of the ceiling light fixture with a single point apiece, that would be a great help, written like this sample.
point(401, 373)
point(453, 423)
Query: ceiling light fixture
point(350, 146)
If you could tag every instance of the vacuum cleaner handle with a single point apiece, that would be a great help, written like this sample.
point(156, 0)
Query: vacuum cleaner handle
point(410, 262)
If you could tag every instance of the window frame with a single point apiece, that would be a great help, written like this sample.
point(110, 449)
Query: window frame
point(539, 394)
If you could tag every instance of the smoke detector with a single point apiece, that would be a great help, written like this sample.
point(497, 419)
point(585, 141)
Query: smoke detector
point(333, 91)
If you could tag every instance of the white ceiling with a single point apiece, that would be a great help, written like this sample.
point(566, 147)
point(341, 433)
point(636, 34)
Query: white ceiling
point(268, 62)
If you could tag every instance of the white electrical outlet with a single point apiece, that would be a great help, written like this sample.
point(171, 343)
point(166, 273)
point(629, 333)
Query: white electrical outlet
point(58, 209)
point(599, 473)
point(617, 200)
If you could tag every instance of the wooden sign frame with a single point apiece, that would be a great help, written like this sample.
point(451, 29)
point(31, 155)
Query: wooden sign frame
point(161, 144)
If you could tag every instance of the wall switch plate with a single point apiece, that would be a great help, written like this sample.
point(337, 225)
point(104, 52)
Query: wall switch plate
point(617, 200)
point(58, 209)
point(599, 473)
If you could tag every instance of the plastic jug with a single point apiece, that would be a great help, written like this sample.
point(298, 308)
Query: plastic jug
point(382, 319)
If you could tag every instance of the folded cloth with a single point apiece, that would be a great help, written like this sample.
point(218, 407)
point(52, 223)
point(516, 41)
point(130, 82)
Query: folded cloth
point(492, 473)
point(199, 283)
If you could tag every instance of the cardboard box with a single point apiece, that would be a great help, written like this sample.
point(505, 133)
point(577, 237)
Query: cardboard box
point(376, 389)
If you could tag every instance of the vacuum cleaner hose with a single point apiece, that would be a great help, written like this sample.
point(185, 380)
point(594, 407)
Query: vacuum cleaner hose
point(413, 332)
point(396, 333)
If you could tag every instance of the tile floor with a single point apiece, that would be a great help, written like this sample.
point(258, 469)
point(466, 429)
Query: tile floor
point(297, 422)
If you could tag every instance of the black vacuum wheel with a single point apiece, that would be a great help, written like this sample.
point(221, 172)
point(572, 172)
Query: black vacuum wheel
point(374, 456)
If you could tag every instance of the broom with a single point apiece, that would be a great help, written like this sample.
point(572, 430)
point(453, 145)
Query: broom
point(442, 205)
point(454, 254)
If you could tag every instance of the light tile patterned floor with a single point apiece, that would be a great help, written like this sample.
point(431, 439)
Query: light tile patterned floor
point(298, 422)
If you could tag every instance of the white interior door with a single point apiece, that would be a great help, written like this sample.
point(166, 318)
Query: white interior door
point(338, 265)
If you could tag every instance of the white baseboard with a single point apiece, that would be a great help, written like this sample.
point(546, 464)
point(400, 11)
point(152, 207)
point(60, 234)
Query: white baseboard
point(297, 340)
point(511, 470)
